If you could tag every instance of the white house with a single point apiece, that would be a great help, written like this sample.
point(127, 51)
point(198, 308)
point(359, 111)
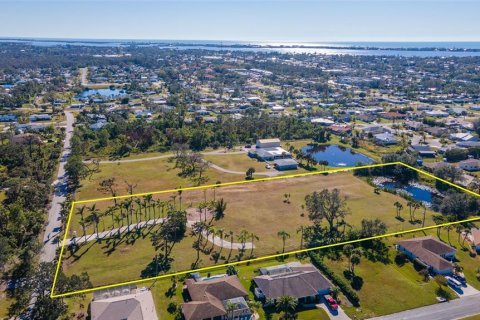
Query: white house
point(470, 165)
point(322, 121)
point(385, 139)
point(268, 143)
point(463, 136)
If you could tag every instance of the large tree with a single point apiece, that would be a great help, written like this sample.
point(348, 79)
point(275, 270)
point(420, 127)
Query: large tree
point(327, 205)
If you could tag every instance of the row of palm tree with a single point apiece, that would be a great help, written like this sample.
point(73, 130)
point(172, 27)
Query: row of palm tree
point(123, 213)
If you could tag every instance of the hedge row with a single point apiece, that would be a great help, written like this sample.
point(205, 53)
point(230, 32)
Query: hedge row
point(345, 287)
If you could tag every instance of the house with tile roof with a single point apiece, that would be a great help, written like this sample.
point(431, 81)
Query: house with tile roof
point(217, 298)
point(135, 304)
point(475, 237)
point(435, 255)
point(302, 281)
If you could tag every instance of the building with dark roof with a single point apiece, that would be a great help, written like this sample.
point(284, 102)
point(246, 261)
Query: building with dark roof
point(435, 255)
point(302, 281)
point(209, 298)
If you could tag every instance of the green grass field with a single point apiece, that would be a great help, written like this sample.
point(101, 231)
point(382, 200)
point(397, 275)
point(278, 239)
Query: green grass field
point(259, 208)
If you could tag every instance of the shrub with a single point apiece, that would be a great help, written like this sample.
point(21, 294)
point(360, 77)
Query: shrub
point(346, 289)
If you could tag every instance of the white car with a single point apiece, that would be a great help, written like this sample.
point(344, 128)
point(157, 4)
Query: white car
point(268, 166)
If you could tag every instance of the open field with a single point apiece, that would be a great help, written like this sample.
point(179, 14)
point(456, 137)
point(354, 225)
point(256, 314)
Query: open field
point(261, 208)
point(149, 175)
point(401, 286)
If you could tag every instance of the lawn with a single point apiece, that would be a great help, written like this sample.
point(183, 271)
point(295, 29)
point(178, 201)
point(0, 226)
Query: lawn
point(148, 176)
point(387, 288)
point(5, 303)
point(237, 162)
point(260, 208)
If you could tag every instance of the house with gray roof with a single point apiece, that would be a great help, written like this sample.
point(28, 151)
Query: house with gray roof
point(301, 281)
point(435, 255)
point(126, 304)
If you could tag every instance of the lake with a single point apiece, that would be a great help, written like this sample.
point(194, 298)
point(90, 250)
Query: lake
point(105, 93)
point(336, 156)
point(418, 193)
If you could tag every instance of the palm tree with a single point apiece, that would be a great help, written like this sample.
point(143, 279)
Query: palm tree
point(448, 228)
point(231, 242)
point(399, 207)
point(80, 211)
point(253, 237)
point(242, 238)
point(300, 230)
point(220, 233)
point(286, 304)
point(284, 235)
point(219, 210)
point(197, 231)
point(424, 214)
point(94, 217)
point(354, 260)
point(410, 205)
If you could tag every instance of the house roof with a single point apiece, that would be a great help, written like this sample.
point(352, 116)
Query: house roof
point(297, 281)
point(429, 250)
point(476, 236)
point(207, 296)
point(135, 306)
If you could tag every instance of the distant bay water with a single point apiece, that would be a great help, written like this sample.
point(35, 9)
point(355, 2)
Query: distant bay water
point(406, 49)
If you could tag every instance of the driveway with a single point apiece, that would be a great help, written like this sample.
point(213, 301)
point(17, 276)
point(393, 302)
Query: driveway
point(456, 309)
point(340, 314)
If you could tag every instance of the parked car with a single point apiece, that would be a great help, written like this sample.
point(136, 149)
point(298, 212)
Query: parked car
point(331, 303)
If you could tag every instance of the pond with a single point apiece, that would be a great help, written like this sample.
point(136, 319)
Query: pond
point(418, 192)
point(336, 155)
point(105, 93)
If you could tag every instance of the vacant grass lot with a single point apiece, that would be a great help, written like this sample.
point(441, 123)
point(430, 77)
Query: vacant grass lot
point(260, 208)
point(148, 176)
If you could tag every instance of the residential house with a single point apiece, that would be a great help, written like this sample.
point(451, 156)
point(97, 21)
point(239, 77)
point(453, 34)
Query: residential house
point(301, 281)
point(126, 304)
point(392, 115)
point(463, 136)
point(8, 118)
point(422, 150)
point(436, 131)
point(385, 139)
point(209, 298)
point(322, 121)
point(40, 117)
point(414, 125)
point(435, 255)
point(436, 114)
point(374, 129)
point(470, 165)
point(475, 237)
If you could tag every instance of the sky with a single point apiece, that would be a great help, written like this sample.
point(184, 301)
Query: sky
point(244, 20)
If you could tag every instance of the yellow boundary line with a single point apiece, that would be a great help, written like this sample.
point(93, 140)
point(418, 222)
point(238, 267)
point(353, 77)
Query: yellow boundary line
point(247, 261)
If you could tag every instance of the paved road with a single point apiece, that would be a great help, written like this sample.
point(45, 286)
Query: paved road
point(456, 309)
point(54, 223)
